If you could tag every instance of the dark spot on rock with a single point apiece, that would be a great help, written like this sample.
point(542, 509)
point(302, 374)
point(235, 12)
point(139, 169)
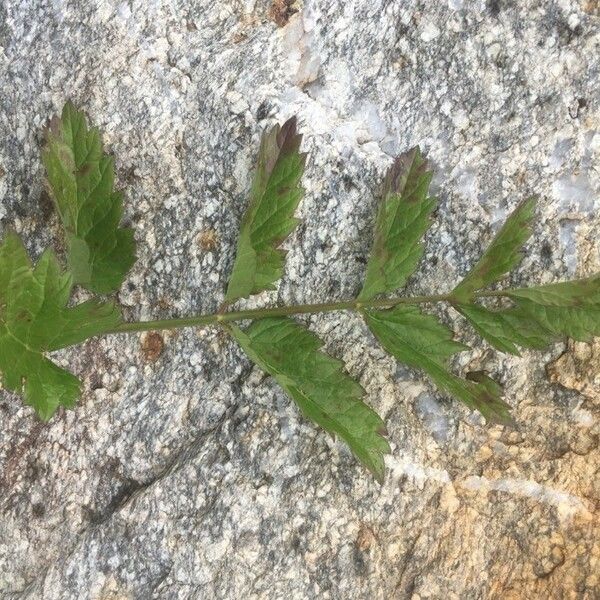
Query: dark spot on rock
point(126, 490)
point(323, 578)
point(152, 346)
point(25, 190)
point(410, 588)
point(262, 111)
point(546, 252)
point(281, 11)
point(38, 509)
point(566, 35)
point(4, 29)
point(576, 107)
point(347, 181)
point(360, 565)
point(500, 143)
point(493, 7)
point(434, 501)
point(33, 472)
point(500, 60)
point(96, 381)
point(127, 175)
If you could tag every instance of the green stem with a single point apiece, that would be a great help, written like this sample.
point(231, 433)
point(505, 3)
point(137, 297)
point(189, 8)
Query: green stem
point(284, 311)
point(279, 311)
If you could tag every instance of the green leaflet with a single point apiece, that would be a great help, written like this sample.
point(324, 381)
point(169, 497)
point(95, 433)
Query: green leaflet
point(34, 319)
point(402, 219)
point(316, 381)
point(506, 329)
point(540, 315)
point(503, 254)
point(422, 342)
point(578, 293)
point(269, 218)
point(81, 178)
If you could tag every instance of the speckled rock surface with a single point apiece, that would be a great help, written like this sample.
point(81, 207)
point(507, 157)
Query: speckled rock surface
point(184, 473)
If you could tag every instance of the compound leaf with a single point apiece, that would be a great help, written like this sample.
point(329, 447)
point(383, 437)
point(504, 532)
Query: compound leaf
point(81, 178)
point(269, 219)
point(402, 219)
point(422, 342)
point(503, 254)
point(316, 381)
point(34, 320)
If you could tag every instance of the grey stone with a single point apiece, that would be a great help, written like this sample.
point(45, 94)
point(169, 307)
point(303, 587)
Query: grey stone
point(191, 475)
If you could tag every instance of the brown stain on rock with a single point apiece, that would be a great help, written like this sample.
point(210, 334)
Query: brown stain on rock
point(208, 239)
point(152, 346)
point(281, 11)
point(365, 538)
point(591, 7)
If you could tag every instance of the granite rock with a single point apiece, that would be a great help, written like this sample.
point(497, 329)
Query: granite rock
point(184, 473)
